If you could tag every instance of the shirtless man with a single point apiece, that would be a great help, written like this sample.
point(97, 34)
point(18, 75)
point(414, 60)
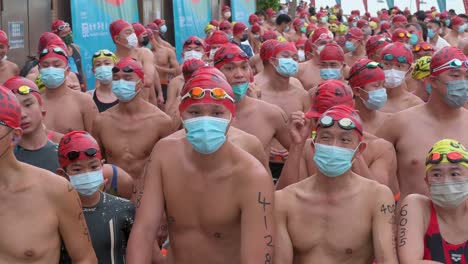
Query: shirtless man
point(299, 30)
point(312, 49)
point(67, 110)
point(433, 35)
point(256, 117)
point(458, 31)
point(377, 163)
point(355, 44)
point(126, 43)
point(283, 27)
point(161, 23)
point(8, 69)
point(444, 111)
point(331, 63)
point(122, 131)
point(398, 21)
point(257, 63)
point(237, 189)
point(255, 31)
point(40, 209)
point(216, 40)
point(374, 47)
point(396, 60)
point(270, 19)
point(300, 46)
point(240, 34)
point(165, 60)
point(335, 216)
point(366, 78)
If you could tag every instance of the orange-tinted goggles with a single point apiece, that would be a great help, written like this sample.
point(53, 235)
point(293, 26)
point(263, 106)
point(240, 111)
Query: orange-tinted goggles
point(402, 35)
point(425, 47)
point(198, 93)
point(452, 157)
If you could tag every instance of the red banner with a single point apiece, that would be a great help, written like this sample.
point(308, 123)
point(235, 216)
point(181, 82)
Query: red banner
point(365, 5)
point(418, 5)
point(465, 2)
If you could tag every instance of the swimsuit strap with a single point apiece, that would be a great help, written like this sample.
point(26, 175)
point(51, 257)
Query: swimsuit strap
point(113, 187)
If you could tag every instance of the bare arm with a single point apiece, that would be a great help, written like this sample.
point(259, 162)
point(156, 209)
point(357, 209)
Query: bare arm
point(281, 125)
point(383, 226)
point(151, 75)
point(150, 207)
point(97, 134)
point(384, 169)
point(388, 129)
point(90, 112)
point(72, 225)
point(411, 230)
point(257, 221)
point(283, 244)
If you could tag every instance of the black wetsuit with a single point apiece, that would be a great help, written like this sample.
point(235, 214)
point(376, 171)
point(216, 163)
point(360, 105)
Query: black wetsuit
point(109, 224)
point(44, 158)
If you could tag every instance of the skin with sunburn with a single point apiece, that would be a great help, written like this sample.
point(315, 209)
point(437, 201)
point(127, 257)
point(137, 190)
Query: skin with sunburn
point(240, 194)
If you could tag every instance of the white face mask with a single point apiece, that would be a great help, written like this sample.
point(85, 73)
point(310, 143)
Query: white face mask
point(441, 31)
point(394, 78)
point(132, 40)
point(227, 14)
point(193, 54)
point(320, 48)
point(449, 194)
point(212, 53)
point(301, 55)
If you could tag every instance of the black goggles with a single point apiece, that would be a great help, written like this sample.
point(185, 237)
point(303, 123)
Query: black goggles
point(73, 155)
point(55, 50)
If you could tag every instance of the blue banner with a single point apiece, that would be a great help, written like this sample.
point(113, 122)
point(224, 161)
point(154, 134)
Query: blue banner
point(338, 2)
point(190, 19)
point(242, 9)
point(390, 3)
point(442, 5)
point(90, 25)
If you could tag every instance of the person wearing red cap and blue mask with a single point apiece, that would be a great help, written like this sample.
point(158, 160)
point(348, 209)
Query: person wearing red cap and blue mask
point(442, 116)
point(43, 208)
point(434, 37)
point(355, 209)
point(240, 36)
point(458, 31)
point(127, 143)
point(126, 42)
point(63, 30)
point(208, 170)
point(374, 46)
point(396, 60)
point(66, 109)
point(332, 62)
point(108, 217)
point(9, 69)
point(355, 45)
point(159, 29)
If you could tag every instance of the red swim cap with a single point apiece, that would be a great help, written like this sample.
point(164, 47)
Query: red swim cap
point(214, 22)
point(385, 26)
point(4, 38)
point(159, 21)
point(239, 28)
point(270, 12)
point(283, 46)
point(56, 24)
point(330, 93)
point(297, 23)
point(79, 141)
point(153, 27)
point(375, 43)
point(229, 53)
point(355, 33)
point(270, 34)
point(190, 66)
point(219, 37)
point(301, 42)
point(267, 48)
point(253, 18)
point(361, 23)
point(117, 26)
point(226, 8)
point(332, 51)
point(361, 75)
point(208, 77)
point(14, 83)
point(339, 112)
point(55, 52)
point(457, 21)
point(445, 55)
point(10, 110)
point(400, 33)
point(49, 38)
point(132, 64)
point(321, 33)
point(397, 49)
point(399, 19)
point(225, 25)
point(256, 28)
point(194, 40)
point(139, 29)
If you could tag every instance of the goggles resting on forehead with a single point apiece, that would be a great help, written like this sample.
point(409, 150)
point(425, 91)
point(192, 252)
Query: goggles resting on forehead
point(63, 26)
point(344, 123)
point(400, 59)
point(425, 47)
point(73, 155)
point(198, 93)
point(369, 65)
point(126, 69)
point(455, 64)
point(402, 35)
point(452, 157)
point(380, 41)
point(56, 50)
point(25, 90)
point(192, 41)
point(104, 52)
point(231, 56)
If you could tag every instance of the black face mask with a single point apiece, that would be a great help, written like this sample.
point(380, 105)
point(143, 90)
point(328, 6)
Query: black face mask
point(244, 37)
point(145, 41)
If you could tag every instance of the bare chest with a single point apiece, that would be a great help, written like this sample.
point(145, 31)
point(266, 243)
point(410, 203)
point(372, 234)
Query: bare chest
point(290, 101)
point(63, 115)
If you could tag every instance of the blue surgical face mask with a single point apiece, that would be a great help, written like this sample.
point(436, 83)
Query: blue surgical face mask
point(354, 24)
point(413, 39)
point(287, 67)
point(462, 28)
point(240, 90)
point(382, 21)
point(52, 77)
point(430, 33)
point(206, 134)
point(429, 88)
point(330, 74)
point(447, 22)
point(163, 29)
point(457, 93)
point(350, 46)
point(124, 90)
point(104, 73)
point(377, 99)
point(324, 20)
point(87, 183)
point(287, 29)
point(333, 161)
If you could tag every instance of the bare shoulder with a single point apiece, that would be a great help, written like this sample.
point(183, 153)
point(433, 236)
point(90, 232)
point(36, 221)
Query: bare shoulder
point(271, 110)
point(55, 186)
point(295, 83)
point(380, 145)
point(416, 200)
point(178, 134)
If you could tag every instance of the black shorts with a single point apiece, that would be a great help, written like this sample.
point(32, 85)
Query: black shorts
point(164, 91)
point(276, 168)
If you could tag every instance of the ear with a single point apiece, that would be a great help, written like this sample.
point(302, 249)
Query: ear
point(272, 61)
point(62, 173)
point(410, 70)
point(17, 134)
point(356, 91)
point(361, 148)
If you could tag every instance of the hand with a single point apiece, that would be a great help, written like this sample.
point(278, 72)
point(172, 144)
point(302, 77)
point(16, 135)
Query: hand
point(74, 86)
point(160, 100)
point(300, 127)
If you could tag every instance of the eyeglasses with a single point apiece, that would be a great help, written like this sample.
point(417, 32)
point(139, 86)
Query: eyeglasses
point(455, 63)
point(73, 155)
point(25, 90)
point(402, 35)
point(215, 93)
point(126, 69)
point(452, 157)
point(56, 50)
point(192, 41)
point(425, 47)
point(344, 123)
point(400, 59)
point(232, 55)
point(63, 26)
point(369, 65)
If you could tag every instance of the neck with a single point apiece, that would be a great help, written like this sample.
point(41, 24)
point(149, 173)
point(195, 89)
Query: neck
point(11, 169)
point(440, 110)
point(435, 39)
point(236, 39)
point(395, 92)
point(329, 185)
point(57, 92)
point(279, 82)
point(34, 140)
point(90, 201)
point(105, 88)
point(133, 106)
point(365, 113)
point(242, 103)
point(452, 215)
point(359, 51)
point(205, 161)
point(123, 51)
